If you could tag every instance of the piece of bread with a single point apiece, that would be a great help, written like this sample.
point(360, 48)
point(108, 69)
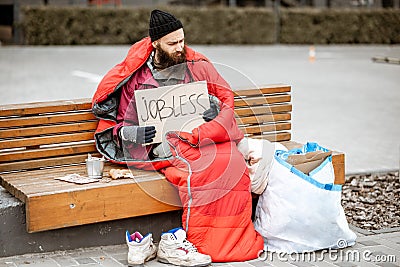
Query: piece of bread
point(120, 173)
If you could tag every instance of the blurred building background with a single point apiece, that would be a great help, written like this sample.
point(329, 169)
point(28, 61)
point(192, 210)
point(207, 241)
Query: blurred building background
point(10, 9)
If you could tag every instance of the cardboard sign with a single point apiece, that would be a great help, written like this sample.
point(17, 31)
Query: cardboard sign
point(172, 108)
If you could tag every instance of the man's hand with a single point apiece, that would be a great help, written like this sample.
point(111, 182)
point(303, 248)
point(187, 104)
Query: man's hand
point(138, 134)
point(210, 113)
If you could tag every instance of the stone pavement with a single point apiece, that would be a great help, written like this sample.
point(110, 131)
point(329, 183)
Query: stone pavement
point(373, 248)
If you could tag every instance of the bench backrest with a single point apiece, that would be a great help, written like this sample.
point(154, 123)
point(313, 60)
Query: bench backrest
point(54, 133)
point(36, 135)
point(264, 112)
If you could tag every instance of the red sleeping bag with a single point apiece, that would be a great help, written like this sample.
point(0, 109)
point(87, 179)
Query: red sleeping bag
point(214, 187)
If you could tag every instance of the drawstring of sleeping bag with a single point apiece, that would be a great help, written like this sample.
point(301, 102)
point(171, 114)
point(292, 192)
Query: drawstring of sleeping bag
point(188, 178)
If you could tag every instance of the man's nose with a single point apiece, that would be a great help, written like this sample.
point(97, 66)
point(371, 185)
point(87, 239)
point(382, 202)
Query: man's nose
point(179, 47)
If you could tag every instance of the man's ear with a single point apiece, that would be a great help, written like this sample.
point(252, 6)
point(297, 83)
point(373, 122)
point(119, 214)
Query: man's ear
point(154, 44)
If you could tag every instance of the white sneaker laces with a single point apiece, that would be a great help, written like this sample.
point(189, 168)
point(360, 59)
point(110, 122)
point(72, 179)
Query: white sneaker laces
point(188, 246)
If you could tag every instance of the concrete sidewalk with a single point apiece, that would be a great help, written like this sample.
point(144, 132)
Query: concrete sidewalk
point(379, 248)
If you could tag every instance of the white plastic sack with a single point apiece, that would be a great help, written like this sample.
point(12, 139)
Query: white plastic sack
point(299, 212)
point(259, 155)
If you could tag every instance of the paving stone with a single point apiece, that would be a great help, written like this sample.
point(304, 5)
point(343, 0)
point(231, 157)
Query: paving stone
point(10, 261)
point(85, 260)
point(386, 230)
point(35, 261)
point(113, 250)
point(124, 262)
point(388, 264)
point(258, 263)
point(358, 231)
point(346, 264)
point(109, 262)
point(121, 256)
point(302, 264)
point(363, 264)
point(379, 238)
point(323, 264)
point(301, 259)
point(65, 260)
point(7, 264)
point(7, 261)
point(389, 243)
point(357, 245)
point(155, 263)
point(368, 243)
point(240, 264)
point(92, 252)
point(278, 263)
point(389, 235)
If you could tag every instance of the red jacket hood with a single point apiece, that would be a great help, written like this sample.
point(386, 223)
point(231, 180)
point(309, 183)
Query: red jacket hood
point(136, 57)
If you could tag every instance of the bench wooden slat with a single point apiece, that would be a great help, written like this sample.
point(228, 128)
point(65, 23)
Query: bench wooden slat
point(35, 176)
point(49, 119)
point(261, 100)
point(44, 178)
point(46, 140)
point(12, 189)
point(277, 137)
point(259, 110)
point(48, 152)
point(42, 181)
point(51, 129)
point(338, 161)
point(269, 89)
point(263, 118)
point(273, 127)
point(47, 162)
point(45, 107)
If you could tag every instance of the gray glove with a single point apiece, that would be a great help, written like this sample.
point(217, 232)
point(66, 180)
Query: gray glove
point(138, 134)
point(211, 113)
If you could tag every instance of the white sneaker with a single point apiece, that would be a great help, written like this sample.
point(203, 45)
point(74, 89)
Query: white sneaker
point(175, 249)
point(141, 248)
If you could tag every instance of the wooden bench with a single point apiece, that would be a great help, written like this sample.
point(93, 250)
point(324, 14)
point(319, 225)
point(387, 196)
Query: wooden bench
point(46, 140)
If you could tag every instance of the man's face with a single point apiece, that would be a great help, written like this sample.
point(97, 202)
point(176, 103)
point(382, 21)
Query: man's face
point(170, 49)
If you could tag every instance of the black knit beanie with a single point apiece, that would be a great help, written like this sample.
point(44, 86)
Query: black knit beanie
point(162, 23)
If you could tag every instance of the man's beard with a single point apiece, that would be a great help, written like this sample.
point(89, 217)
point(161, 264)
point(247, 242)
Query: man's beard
point(166, 60)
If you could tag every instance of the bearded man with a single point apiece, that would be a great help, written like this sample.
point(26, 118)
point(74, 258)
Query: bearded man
point(205, 165)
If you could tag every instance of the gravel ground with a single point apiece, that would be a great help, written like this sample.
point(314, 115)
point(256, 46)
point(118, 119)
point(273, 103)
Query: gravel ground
point(371, 201)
